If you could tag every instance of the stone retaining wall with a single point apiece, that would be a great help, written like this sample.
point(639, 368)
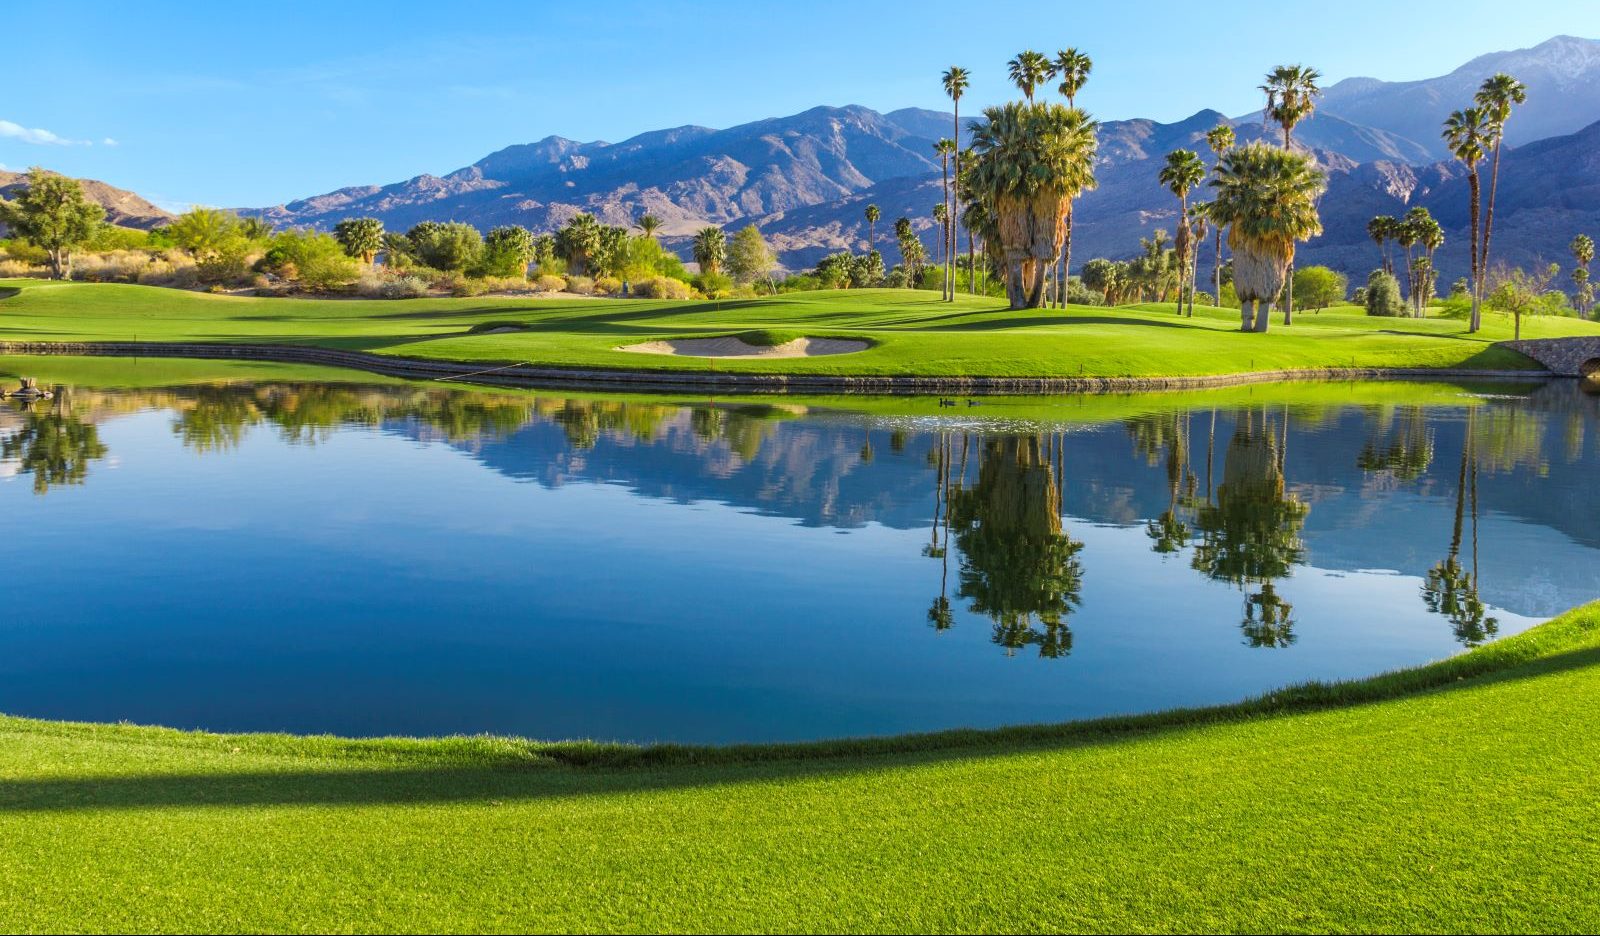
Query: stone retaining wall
point(1565, 357)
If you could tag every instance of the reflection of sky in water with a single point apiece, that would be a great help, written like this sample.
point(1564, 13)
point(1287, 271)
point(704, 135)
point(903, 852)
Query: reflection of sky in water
point(384, 580)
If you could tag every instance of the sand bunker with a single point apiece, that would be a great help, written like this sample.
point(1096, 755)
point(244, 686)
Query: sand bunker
point(733, 347)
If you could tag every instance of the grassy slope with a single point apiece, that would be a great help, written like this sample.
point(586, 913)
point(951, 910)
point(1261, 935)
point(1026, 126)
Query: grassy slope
point(1465, 806)
point(913, 332)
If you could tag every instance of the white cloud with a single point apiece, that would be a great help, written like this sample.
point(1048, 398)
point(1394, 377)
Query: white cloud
point(109, 142)
point(13, 131)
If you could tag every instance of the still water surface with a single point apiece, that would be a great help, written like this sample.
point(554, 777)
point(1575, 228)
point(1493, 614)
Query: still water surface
point(399, 559)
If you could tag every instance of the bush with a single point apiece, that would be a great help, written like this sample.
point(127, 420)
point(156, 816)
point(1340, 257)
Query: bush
point(713, 285)
point(375, 285)
point(117, 266)
point(316, 261)
point(175, 270)
point(1383, 296)
point(467, 286)
point(454, 246)
point(608, 286)
point(582, 285)
point(24, 252)
point(18, 269)
point(550, 283)
point(661, 287)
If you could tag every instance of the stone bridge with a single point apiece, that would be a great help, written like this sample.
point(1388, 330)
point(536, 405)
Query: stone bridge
point(1567, 357)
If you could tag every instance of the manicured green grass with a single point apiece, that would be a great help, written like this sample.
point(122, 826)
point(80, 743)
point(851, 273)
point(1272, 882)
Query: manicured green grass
point(1454, 797)
point(912, 332)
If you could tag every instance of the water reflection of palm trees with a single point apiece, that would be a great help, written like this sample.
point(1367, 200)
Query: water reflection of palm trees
point(1018, 567)
point(1401, 447)
point(1451, 589)
point(1249, 535)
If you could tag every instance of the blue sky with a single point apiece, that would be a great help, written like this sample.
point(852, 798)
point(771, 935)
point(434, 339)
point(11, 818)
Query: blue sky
point(252, 105)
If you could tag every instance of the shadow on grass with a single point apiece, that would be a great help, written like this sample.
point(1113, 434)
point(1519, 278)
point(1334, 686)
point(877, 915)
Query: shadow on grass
point(542, 773)
point(999, 324)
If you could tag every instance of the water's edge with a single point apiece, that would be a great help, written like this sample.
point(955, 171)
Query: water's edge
point(530, 375)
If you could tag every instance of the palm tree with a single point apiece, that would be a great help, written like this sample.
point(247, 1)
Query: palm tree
point(710, 248)
point(1496, 97)
point(1199, 224)
point(648, 224)
point(955, 84)
point(1292, 94)
point(1181, 174)
point(1268, 199)
point(1430, 235)
point(1220, 139)
point(946, 149)
point(1466, 132)
point(1031, 161)
point(1074, 68)
point(1381, 230)
point(872, 214)
point(1405, 234)
point(1029, 70)
point(1582, 248)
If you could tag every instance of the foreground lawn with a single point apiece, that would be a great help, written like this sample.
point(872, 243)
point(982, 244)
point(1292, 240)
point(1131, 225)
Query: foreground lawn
point(912, 332)
point(1459, 796)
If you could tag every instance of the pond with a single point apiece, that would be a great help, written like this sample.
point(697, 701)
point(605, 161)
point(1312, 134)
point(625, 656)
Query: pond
point(365, 558)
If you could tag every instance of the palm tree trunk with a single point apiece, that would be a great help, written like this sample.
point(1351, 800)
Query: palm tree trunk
point(1066, 249)
point(1477, 279)
point(1217, 269)
point(1263, 315)
point(1488, 218)
point(1246, 314)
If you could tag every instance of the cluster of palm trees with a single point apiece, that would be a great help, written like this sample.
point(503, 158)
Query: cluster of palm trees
point(1582, 248)
point(1474, 134)
point(1420, 236)
point(1029, 160)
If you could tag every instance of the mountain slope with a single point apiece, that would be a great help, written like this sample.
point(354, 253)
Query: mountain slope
point(1562, 75)
point(122, 206)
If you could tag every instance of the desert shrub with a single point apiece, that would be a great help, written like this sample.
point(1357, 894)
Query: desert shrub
point(117, 266)
point(173, 269)
point(465, 286)
point(1383, 295)
point(608, 286)
point(661, 287)
point(315, 260)
point(230, 264)
point(18, 269)
point(800, 282)
point(548, 282)
point(582, 285)
point(375, 285)
point(24, 252)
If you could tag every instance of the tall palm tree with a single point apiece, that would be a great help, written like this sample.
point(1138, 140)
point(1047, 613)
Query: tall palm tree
point(1430, 236)
point(872, 214)
point(1268, 199)
point(710, 249)
point(1582, 248)
point(955, 80)
point(1199, 224)
point(1181, 174)
point(1381, 230)
point(1219, 139)
point(1292, 93)
point(1497, 96)
point(648, 225)
point(1031, 161)
point(1028, 71)
point(946, 150)
point(1406, 234)
point(1466, 132)
point(1073, 67)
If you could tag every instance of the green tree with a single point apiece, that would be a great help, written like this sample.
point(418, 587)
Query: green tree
point(1030, 161)
point(1181, 174)
point(361, 238)
point(52, 213)
point(866, 270)
point(1382, 295)
point(1268, 199)
point(1028, 70)
point(1497, 97)
point(456, 246)
point(1318, 287)
point(955, 80)
point(749, 257)
point(833, 271)
point(1523, 292)
point(205, 233)
point(507, 250)
point(710, 249)
point(1106, 277)
point(315, 260)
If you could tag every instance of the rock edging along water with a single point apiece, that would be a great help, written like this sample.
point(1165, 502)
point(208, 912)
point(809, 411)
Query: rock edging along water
point(533, 375)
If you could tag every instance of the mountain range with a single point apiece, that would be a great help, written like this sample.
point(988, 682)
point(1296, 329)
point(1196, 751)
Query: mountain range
point(805, 179)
